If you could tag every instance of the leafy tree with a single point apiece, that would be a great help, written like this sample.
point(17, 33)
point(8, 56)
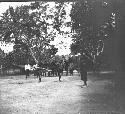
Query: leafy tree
point(29, 26)
point(53, 50)
point(90, 32)
point(2, 55)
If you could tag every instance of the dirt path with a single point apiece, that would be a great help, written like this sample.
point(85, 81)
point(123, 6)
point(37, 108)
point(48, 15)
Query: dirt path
point(20, 96)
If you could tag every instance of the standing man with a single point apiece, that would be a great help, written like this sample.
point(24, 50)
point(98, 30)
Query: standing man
point(71, 68)
point(59, 70)
point(27, 70)
point(83, 69)
point(37, 71)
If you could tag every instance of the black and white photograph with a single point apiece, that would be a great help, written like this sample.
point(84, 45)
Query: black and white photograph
point(62, 57)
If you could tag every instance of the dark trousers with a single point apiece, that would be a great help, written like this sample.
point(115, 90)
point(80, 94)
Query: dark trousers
point(59, 73)
point(27, 73)
point(59, 77)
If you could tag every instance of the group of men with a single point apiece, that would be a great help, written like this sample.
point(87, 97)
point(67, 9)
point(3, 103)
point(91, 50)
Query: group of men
point(57, 69)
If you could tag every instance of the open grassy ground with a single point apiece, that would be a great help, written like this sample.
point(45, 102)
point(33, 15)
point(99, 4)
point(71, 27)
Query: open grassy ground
point(21, 96)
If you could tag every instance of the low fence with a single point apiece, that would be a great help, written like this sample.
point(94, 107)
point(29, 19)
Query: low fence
point(11, 71)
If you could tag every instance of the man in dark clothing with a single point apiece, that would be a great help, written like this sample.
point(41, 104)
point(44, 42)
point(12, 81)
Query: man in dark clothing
point(83, 70)
point(84, 76)
point(71, 69)
point(59, 70)
point(37, 71)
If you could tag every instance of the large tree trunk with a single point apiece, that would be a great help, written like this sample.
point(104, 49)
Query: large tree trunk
point(33, 56)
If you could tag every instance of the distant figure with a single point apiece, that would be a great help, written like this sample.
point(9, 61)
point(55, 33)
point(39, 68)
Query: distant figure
point(71, 69)
point(83, 70)
point(35, 67)
point(37, 72)
point(27, 70)
point(59, 70)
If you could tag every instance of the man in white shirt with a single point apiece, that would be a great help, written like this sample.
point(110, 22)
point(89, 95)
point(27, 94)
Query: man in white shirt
point(27, 70)
point(35, 67)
